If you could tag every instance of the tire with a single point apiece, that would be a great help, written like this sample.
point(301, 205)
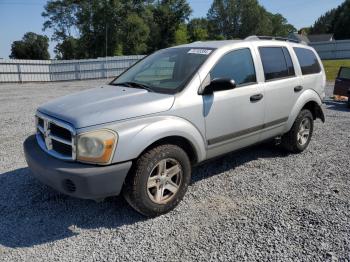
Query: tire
point(293, 141)
point(348, 102)
point(150, 188)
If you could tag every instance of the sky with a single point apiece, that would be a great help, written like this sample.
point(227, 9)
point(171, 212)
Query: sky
point(20, 16)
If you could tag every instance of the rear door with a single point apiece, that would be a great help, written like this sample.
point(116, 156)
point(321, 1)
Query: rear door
point(342, 83)
point(281, 88)
point(312, 76)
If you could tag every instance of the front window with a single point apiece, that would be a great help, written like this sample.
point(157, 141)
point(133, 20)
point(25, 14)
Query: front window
point(237, 65)
point(165, 71)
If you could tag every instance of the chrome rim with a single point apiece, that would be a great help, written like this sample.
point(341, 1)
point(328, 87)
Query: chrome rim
point(304, 131)
point(164, 181)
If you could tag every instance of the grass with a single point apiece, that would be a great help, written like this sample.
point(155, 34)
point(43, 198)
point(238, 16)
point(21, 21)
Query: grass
point(332, 67)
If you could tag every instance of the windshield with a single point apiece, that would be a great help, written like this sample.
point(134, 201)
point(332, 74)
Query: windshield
point(166, 71)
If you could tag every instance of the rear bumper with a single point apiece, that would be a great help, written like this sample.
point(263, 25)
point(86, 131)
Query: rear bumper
point(75, 179)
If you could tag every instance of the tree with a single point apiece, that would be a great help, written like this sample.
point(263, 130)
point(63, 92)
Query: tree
point(32, 46)
point(335, 21)
point(168, 16)
point(324, 23)
point(61, 17)
point(232, 19)
point(136, 34)
point(181, 35)
point(68, 49)
point(103, 28)
point(198, 29)
point(280, 25)
point(341, 22)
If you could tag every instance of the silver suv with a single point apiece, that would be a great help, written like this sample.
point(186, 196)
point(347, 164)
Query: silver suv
point(141, 134)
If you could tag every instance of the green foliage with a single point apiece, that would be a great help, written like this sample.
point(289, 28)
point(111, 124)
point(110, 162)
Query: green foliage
point(32, 46)
point(280, 26)
point(111, 27)
point(168, 16)
point(332, 67)
point(96, 28)
point(324, 24)
point(68, 49)
point(136, 33)
point(233, 19)
point(181, 35)
point(198, 29)
point(335, 21)
point(61, 17)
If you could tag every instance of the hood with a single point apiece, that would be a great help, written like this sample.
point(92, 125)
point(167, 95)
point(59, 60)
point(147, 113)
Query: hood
point(106, 104)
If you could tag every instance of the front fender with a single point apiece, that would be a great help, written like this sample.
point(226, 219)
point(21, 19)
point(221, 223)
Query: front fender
point(307, 96)
point(136, 136)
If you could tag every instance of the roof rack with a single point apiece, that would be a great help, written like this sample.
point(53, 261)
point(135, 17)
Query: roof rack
point(277, 38)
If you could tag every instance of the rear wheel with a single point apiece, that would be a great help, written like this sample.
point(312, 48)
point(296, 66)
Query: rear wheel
point(299, 137)
point(159, 180)
point(349, 101)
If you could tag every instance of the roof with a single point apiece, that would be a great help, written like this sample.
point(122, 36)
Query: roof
point(221, 43)
point(320, 38)
point(212, 44)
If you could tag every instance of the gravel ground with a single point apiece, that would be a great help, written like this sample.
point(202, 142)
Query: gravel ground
point(255, 204)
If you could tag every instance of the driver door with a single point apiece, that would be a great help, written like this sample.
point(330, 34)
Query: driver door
point(234, 118)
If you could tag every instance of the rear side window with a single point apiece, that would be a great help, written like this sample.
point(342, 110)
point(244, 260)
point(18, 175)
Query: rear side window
point(308, 61)
point(237, 65)
point(344, 73)
point(276, 62)
point(289, 62)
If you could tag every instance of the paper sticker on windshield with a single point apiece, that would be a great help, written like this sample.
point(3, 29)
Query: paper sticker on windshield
point(200, 51)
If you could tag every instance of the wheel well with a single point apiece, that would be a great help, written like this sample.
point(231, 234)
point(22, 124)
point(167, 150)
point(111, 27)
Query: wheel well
point(315, 109)
point(177, 141)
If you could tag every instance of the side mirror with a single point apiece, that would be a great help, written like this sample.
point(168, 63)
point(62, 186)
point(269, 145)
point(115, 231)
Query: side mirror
point(219, 84)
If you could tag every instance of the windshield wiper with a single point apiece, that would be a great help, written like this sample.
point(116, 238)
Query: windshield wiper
point(135, 85)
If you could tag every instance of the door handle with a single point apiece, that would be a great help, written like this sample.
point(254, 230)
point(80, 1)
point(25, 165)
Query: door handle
point(298, 89)
point(256, 98)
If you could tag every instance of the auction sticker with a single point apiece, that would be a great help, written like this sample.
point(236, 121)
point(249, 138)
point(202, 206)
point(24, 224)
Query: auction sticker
point(200, 51)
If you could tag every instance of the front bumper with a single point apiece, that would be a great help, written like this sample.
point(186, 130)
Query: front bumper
point(72, 178)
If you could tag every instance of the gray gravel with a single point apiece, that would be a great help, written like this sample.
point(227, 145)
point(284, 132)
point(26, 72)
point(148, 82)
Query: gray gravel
point(255, 204)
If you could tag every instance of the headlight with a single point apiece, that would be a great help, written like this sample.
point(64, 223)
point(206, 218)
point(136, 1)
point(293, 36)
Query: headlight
point(96, 147)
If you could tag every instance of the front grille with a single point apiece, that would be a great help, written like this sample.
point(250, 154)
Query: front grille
point(60, 132)
point(55, 137)
point(62, 148)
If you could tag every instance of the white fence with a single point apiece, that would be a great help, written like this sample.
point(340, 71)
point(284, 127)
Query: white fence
point(13, 70)
point(339, 49)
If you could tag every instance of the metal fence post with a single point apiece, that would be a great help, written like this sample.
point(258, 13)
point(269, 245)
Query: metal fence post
point(19, 73)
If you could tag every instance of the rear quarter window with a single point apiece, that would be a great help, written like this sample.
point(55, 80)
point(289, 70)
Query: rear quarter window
point(308, 61)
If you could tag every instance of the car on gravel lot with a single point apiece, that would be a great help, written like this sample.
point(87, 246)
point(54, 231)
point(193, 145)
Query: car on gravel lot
point(141, 134)
point(342, 83)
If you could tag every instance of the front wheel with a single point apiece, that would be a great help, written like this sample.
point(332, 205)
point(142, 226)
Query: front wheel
point(159, 180)
point(299, 137)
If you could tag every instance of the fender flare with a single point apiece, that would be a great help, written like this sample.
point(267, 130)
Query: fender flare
point(306, 97)
point(159, 128)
